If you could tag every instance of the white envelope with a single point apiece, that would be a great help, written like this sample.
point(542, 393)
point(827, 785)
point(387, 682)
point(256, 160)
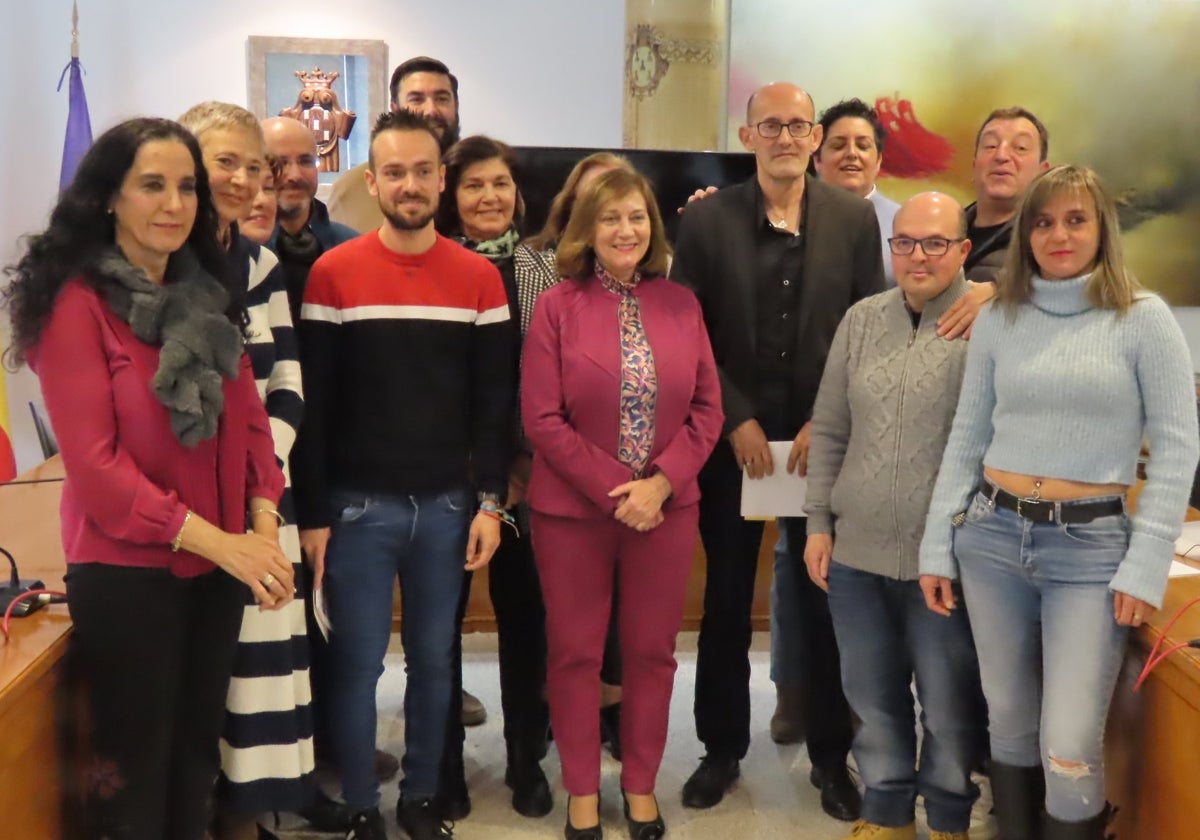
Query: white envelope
point(781, 494)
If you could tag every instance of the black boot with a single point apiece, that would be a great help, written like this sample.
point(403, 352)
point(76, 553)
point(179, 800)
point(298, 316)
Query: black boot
point(1019, 794)
point(531, 795)
point(1092, 829)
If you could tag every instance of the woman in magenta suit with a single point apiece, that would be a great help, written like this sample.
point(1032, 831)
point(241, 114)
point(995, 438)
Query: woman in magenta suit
point(621, 403)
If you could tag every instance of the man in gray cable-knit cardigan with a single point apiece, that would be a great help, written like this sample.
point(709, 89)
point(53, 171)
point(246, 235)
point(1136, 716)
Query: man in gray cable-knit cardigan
point(881, 419)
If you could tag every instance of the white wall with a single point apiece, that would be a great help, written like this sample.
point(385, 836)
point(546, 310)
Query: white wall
point(534, 72)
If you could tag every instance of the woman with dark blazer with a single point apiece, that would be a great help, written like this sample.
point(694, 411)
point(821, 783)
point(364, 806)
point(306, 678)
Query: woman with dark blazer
point(622, 406)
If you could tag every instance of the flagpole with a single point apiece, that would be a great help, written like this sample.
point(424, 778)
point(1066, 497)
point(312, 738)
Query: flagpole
point(79, 125)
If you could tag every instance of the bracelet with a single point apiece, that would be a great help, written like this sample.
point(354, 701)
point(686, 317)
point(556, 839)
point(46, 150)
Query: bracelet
point(178, 541)
point(273, 512)
point(503, 517)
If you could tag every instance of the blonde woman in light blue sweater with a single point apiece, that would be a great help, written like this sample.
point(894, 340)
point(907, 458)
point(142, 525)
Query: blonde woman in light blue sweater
point(1069, 370)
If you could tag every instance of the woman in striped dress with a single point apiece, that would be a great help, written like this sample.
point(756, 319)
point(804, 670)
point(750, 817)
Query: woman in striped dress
point(266, 750)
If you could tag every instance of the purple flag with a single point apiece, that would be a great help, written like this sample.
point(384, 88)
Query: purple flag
point(79, 124)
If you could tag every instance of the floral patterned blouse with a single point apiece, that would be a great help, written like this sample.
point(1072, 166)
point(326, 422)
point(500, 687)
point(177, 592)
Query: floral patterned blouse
point(639, 380)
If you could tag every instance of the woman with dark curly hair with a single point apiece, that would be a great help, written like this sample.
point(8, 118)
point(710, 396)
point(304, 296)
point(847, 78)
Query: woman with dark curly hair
point(124, 309)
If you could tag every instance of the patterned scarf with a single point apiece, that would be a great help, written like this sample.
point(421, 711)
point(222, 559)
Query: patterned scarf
point(497, 250)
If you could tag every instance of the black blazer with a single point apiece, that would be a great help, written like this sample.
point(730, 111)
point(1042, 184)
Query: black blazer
point(715, 256)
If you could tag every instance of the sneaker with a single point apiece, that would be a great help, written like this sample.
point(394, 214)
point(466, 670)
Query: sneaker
point(949, 835)
point(420, 820)
point(367, 825)
point(864, 830)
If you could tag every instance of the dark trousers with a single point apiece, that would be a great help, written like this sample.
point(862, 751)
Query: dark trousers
point(157, 654)
point(722, 705)
point(516, 596)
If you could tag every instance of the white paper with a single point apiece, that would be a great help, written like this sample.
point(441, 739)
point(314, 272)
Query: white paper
point(1182, 570)
point(781, 494)
point(321, 613)
point(1188, 543)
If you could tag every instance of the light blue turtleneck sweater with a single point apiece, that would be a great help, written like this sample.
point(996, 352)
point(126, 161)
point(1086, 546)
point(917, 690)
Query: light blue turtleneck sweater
point(1066, 390)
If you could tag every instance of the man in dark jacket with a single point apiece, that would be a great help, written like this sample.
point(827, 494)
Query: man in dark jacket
point(775, 262)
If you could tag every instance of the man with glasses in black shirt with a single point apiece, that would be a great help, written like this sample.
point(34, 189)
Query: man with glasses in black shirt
point(775, 261)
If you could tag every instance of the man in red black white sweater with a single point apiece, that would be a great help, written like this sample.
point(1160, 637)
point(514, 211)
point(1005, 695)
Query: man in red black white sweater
point(408, 370)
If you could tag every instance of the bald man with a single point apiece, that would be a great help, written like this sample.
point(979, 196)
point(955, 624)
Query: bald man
point(879, 425)
point(304, 230)
point(775, 262)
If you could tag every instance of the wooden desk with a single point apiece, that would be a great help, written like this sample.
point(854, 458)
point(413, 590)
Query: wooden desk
point(40, 700)
point(1152, 746)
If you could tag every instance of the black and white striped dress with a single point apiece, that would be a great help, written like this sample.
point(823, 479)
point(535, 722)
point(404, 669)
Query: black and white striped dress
point(267, 746)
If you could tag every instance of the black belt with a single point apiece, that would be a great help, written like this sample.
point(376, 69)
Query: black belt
point(1072, 512)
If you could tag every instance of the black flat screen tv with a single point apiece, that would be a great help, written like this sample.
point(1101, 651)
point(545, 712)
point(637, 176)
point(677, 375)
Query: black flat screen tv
point(674, 175)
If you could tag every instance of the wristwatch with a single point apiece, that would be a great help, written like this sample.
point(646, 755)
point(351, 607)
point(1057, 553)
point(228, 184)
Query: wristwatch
point(494, 498)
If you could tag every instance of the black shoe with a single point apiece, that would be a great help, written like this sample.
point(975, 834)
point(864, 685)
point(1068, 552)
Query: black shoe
point(367, 825)
point(531, 795)
point(592, 832)
point(652, 830)
point(709, 783)
point(328, 815)
point(840, 798)
point(610, 729)
point(420, 820)
point(454, 803)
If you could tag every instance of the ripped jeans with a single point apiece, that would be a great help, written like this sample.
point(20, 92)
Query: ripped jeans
point(1049, 648)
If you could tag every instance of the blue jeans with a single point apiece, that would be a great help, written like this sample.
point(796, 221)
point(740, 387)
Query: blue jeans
point(787, 657)
point(887, 635)
point(376, 537)
point(1049, 648)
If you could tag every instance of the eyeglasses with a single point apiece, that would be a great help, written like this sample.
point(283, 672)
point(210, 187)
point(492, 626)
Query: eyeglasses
point(771, 129)
point(933, 246)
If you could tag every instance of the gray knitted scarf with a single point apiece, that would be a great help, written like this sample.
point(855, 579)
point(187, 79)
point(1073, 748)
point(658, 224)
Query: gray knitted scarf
point(186, 316)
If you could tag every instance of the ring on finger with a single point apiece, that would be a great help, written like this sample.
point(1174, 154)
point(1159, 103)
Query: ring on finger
point(268, 580)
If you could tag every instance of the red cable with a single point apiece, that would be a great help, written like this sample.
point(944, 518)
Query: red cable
point(1151, 665)
point(1152, 660)
point(23, 596)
